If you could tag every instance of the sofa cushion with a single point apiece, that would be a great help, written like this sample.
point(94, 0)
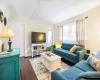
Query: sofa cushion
point(84, 66)
point(69, 46)
point(71, 55)
point(66, 46)
point(79, 48)
point(71, 73)
point(61, 51)
point(66, 53)
point(91, 75)
point(55, 75)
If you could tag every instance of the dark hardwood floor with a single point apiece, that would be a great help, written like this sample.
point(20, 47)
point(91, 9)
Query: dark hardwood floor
point(27, 72)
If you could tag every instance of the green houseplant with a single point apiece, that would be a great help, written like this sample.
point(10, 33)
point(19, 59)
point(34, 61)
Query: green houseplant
point(50, 48)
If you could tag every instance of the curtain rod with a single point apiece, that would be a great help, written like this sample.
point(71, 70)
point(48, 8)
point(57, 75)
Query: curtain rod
point(76, 20)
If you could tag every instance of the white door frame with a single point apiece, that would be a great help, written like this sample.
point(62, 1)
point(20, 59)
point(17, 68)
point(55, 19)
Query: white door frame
point(25, 37)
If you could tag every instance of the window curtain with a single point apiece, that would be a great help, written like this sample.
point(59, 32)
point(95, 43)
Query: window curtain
point(80, 31)
point(49, 37)
point(61, 32)
point(69, 33)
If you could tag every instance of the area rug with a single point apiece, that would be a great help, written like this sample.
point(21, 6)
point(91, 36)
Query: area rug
point(41, 71)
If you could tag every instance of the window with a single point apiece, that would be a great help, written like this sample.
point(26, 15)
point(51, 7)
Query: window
point(69, 33)
point(60, 33)
point(65, 33)
point(49, 34)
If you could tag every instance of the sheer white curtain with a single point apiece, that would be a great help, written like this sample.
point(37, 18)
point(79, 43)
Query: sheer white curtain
point(61, 33)
point(69, 33)
point(49, 37)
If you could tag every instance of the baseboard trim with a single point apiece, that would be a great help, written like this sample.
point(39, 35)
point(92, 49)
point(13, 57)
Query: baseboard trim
point(27, 56)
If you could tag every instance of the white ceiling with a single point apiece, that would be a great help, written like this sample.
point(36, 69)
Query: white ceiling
point(53, 11)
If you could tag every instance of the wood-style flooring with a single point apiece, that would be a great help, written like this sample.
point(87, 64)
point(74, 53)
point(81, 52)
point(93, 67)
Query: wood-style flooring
point(27, 72)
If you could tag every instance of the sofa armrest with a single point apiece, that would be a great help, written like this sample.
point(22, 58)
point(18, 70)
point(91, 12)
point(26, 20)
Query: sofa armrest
point(55, 75)
point(81, 54)
point(88, 75)
point(86, 56)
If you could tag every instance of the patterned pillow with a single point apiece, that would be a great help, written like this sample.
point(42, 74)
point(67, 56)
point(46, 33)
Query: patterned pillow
point(97, 55)
point(94, 62)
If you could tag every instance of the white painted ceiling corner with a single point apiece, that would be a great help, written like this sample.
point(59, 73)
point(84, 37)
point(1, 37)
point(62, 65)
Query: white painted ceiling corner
point(52, 11)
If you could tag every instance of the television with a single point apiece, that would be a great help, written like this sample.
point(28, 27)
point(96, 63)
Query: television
point(38, 37)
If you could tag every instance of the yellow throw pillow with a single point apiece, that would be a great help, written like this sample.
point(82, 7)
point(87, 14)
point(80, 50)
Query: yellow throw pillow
point(73, 48)
point(58, 44)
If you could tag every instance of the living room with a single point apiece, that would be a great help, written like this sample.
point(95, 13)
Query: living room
point(49, 40)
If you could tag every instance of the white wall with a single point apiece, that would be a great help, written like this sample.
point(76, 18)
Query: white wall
point(55, 33)
point(1, 32)
point(33, 25)
point(92, 29)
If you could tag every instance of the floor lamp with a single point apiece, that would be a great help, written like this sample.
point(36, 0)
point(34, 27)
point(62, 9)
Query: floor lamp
point(8, 33)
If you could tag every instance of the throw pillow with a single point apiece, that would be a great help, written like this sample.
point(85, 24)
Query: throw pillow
point(97, 54)
point(73, 49)
point(58, 44)
point(93, 62)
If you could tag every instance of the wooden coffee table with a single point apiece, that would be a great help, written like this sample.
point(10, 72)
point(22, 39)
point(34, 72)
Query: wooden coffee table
point(51, 62)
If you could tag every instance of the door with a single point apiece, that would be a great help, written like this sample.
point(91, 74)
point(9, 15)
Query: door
point(19, 40)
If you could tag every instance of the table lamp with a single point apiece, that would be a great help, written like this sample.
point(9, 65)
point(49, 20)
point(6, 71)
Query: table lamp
point(8, 33)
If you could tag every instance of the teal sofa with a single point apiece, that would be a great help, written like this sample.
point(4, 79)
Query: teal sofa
point(65, 53)
point(81, 70)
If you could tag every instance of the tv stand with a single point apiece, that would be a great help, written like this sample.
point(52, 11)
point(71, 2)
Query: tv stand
point(37, 49)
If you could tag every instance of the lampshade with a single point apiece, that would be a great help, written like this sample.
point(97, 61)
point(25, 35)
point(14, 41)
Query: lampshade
point(8, 33)
point(1, 29)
